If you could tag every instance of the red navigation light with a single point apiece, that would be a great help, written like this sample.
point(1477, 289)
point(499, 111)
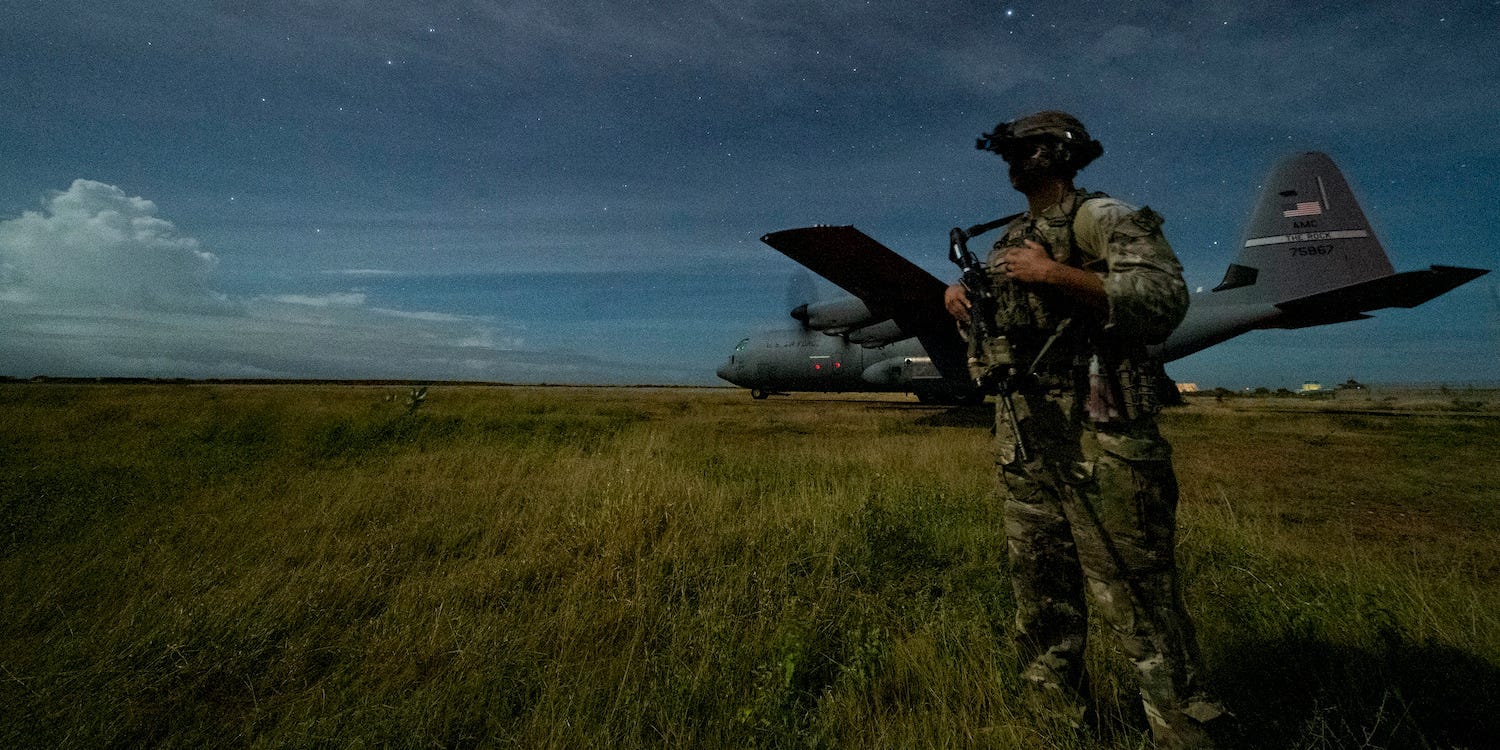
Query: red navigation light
point(817, 365)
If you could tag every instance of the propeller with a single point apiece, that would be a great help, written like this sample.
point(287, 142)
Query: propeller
point(801, 291)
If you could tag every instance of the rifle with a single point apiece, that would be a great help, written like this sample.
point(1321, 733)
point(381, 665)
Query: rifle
point(996, 371)
point(999, 373)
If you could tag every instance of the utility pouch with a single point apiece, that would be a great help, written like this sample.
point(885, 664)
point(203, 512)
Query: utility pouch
point(1102, 404)
point(1138, 386)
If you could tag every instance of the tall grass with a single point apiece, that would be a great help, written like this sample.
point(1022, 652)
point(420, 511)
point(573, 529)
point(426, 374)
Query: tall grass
point(274, 566)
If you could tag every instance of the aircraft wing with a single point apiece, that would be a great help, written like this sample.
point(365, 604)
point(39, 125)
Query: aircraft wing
point(889, 285)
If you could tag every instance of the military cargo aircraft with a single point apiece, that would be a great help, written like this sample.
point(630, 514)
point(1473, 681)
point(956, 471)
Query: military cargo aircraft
point(1309, 258)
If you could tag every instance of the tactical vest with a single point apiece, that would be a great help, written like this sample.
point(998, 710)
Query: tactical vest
point(1056, 338)
point(1043, 327)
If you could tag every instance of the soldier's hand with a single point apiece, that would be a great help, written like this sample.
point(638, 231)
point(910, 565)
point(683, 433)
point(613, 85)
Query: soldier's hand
point(956, 299)
point(1028, 263)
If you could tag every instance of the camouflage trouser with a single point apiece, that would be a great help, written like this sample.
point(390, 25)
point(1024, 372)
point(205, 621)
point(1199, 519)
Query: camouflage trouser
point(1096, 510)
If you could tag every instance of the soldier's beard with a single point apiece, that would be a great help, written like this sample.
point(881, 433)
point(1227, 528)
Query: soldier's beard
point(1023, 179)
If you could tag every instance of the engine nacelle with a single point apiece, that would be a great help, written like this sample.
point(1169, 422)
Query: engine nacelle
point(901, 370)
point(880, 334)
point(835, 316)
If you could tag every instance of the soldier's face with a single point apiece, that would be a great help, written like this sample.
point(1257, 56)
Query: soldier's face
point(1027, 165)
point(1031, 163)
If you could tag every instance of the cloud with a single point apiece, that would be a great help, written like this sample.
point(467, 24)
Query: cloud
point(336, 299)
point(94, 246)
point(97, 284)
point(364, 272)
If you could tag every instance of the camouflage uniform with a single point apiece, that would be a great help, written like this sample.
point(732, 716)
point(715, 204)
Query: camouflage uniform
point(1095, 505)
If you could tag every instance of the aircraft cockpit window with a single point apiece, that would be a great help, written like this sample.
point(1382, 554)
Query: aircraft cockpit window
point(741, 346)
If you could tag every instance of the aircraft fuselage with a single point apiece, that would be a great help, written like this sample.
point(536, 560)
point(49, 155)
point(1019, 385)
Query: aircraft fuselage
point(799, 360)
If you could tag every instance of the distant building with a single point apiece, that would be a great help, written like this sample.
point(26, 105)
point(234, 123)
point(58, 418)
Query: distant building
point(1310, 386)
point(1187, 387)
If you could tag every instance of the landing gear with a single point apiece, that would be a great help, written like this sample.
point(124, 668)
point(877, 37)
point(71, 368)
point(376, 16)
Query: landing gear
point(758, 394)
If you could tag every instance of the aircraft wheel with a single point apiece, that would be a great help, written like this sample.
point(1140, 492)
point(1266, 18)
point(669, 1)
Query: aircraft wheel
point(758, 394)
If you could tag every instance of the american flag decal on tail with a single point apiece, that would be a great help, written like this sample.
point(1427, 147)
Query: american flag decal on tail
point(1306, 208)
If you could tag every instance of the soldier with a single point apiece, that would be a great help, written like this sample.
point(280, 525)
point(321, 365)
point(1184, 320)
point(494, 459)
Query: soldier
point(1090, 496)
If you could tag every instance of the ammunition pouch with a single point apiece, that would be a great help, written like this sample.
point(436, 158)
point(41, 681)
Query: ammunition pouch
point(991, 359)
point(1140, 385)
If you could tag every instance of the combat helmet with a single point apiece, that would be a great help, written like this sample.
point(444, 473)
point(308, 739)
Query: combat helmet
point(1076, 148)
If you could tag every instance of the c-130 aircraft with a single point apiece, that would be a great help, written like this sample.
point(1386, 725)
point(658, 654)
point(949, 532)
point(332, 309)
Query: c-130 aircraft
point(1309, 258)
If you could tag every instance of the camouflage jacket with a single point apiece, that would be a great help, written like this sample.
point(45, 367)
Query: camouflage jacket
point(1125, 246)
point(1142, 281)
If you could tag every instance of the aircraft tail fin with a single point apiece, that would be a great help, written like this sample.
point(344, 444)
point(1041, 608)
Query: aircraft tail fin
point(1310, 251)
point(1307, 235)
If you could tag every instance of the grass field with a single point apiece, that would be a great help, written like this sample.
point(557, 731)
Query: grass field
point(269, 566)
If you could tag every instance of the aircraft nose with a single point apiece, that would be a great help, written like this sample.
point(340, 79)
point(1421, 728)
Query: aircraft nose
point(726, 371)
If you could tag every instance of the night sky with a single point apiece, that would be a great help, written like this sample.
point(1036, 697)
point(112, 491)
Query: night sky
point(572, 192)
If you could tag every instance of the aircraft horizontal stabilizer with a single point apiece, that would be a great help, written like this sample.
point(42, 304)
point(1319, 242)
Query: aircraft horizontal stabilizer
point(1406, 289)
